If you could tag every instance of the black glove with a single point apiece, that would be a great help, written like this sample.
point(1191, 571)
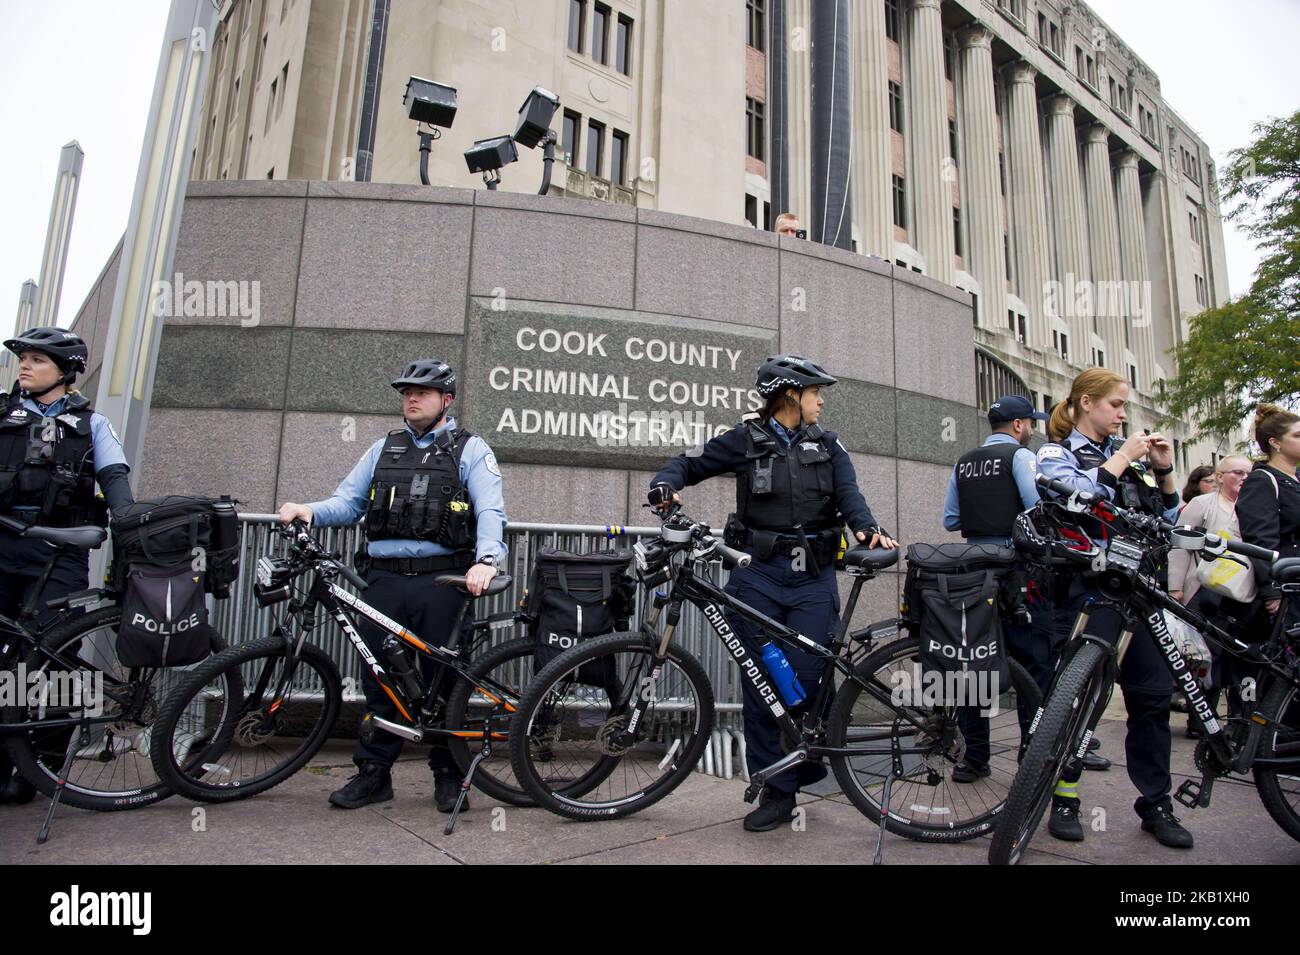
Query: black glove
point(660, 494)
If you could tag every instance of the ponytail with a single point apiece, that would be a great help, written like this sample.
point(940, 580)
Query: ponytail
point(1061, 423)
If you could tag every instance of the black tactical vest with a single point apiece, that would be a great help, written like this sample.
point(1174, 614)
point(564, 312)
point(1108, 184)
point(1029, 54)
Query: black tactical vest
point(48, 464)
point(417, 494)
point(987, 497)
point(779, 487)
point(1137, 488)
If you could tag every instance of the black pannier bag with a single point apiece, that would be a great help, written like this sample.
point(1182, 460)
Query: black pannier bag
point(955, 596)
point(167, 553)
point(574, 597)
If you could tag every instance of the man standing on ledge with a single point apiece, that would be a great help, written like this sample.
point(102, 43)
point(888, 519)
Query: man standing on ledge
point(431, 497)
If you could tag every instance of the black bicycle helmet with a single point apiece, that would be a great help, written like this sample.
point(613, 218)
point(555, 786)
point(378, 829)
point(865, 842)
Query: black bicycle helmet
point(65, 348)
point(790, 371)
point(428, 373)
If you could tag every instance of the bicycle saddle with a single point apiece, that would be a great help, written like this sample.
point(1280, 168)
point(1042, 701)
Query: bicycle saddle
point(875, 558)
point(497, 584)
point(1287, 570)
point(78, 538)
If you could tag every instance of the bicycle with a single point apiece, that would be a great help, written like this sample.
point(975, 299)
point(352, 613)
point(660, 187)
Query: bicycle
point(1267, 743)
point(294, 690)
point(76, 723)
point(644, 724)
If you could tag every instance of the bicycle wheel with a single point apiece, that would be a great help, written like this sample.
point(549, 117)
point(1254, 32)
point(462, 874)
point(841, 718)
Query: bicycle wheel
point(76, 669)
point(1080, 688)
point(926, 804)
point(563, 746)
point(1279, 790)
point(216, 746)
point(511, 665)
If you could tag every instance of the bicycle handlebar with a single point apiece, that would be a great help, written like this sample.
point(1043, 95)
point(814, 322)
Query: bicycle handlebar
point(733, 557)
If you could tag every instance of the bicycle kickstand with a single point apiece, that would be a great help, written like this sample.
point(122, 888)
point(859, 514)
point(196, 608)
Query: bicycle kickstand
point(895, 772)
point(481, 755)
point(83, 740)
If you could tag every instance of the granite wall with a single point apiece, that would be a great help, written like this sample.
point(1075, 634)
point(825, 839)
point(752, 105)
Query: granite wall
point(592, 341)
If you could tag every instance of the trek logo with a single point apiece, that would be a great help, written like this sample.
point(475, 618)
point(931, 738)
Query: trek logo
point(76, 908)
point(1189, 684)
point(164, 628)
point(747, 664)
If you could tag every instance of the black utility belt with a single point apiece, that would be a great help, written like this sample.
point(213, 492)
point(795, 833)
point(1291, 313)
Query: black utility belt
point(765, 544)
point(415, 565)
point(30, 518)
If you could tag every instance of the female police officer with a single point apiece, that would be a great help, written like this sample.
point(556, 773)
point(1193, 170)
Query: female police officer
point(53, 448)
point(794, 487)
point(1084, 454)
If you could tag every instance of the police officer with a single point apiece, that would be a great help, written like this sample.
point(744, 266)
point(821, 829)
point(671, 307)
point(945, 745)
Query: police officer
point(53, 450)
point(989, 487)
point(431, 497)
point(1085, 454)
point(795, 487)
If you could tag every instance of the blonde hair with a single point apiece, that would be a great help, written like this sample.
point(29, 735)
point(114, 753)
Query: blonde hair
point(1271, 421)
point(1222, 464)
point(1096, 383)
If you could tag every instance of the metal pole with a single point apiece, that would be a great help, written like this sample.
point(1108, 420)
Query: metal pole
point(131, 347)
point(8, 360)
point(369, 118)
point(58, 234)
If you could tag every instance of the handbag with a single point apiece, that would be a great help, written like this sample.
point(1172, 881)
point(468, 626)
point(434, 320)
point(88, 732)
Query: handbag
point(1228, 576)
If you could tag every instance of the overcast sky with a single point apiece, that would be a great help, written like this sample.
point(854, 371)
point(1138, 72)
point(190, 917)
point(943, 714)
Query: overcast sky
point(84, 70)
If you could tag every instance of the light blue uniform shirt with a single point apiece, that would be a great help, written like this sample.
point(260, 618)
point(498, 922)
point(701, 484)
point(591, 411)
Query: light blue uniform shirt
point(1058, 462)
point(106, 448)
point(1022, 469)
point(478, 472)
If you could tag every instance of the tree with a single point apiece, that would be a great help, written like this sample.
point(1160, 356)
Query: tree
point(1246, 350)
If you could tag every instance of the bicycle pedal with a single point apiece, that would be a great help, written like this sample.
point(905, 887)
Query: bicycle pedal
point(1193, 794)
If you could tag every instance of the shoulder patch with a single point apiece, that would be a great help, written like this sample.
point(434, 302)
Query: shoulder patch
point(491, 461)
point(1050, 451)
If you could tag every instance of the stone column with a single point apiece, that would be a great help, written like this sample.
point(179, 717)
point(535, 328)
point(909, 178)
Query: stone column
point(1103, 243)
point(872, 161)
point(1070, 226)
point(1133, 267)
point(1027, 202)
point(982, 196)
point(927, 94)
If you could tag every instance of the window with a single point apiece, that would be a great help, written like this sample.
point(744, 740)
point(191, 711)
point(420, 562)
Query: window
point(595, 147)
point(1133, 375)
point(270, 173)
point(956, 230)
point(623, 46)
point(1054, 41)
point(618, 159)
point(947, 59)
point(895, 107)
point(270, 107)
point(1078, 61)
point(1006, 254)
point(284, 90)
point(600, 34)
point(569, 137)
point(1196, 232)
point(1061, 342)
point(756, 24)
point(892, 18)
point(755, 128)
point(900, 202)
point(1011, 320)
point(1022, 330)
point(1112, 91)
point(952, 140)
point(1042, 28)
point(751, 210)
point(1002, 172)
point(577, 24)
point(284, 9)
point(1099, 358)
point(1092, 72)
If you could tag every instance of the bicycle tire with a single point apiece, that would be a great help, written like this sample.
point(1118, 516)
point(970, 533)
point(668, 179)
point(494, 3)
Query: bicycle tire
point(1281, 707)
point(934, 820)
point(38, 755)
point(1077, 691)
point(213, 777)
point(494, 776)
point(572, 797)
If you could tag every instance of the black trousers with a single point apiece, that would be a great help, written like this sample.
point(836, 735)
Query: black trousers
point(427, 610)
point(21, 564)
point(1147, 687)
point(807, 604)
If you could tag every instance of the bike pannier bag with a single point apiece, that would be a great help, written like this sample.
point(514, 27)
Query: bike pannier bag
point(164, 617)
point(574, 597)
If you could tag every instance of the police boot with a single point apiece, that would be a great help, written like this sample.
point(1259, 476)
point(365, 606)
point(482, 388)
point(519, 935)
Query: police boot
point(1092, 759)
point(1065, 823)
point(374, 783)
point(446, 790)
point(1164, 825)
point(14, 788)
point(775, 808)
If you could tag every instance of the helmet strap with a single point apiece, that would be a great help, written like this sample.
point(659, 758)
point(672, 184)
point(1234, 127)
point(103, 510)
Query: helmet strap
point(38, 395)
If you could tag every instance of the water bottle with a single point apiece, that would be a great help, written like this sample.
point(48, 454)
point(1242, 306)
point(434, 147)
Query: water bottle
point(402, 667)
point(782, 674)
point(224, 545)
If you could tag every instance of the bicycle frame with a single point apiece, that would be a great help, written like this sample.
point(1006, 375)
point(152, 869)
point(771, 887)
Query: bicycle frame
point(343, 607)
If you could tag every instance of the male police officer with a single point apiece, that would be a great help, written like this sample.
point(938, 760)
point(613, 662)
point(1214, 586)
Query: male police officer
point(430, 494)
point(53, 449)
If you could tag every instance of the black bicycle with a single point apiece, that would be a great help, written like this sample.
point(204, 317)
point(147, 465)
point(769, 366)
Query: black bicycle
point(637, 709)
point(295, 693)
point(76, 721)
point(1266, 743)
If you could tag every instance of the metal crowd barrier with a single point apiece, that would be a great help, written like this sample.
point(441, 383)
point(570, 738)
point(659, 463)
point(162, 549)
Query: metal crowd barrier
point(239, 619)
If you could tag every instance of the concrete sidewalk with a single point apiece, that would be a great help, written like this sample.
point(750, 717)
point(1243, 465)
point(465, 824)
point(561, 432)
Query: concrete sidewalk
point(698, 824)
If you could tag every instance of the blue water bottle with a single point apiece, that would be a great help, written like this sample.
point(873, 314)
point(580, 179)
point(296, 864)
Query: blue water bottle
point(778, 667)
